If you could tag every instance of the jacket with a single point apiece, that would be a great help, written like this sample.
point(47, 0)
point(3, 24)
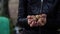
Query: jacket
point(33, 7)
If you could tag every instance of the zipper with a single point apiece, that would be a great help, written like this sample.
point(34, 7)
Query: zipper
point(41, 11)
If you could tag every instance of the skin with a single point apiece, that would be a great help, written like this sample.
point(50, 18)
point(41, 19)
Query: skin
point(42, 20)
point(32, 20)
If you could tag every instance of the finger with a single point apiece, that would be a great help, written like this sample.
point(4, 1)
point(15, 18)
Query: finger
point(29, 17)
point(44, 15)
point(40, 22)
point(40, 16)
point(33, 23)
point(30, 21)
point(43, 20)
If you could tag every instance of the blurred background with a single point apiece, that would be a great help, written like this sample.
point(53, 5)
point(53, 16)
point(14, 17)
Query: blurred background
point(13, 11)
point(8, 15)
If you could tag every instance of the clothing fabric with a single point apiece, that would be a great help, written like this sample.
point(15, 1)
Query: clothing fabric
point(33, 7)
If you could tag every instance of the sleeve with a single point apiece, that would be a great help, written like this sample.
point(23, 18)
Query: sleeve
point(52, 21)
point(22, 20)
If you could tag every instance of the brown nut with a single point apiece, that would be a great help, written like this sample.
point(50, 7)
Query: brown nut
point(37, 16)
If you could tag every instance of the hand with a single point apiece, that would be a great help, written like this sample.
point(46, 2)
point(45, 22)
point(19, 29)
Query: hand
point(32, 20)
point(42, 20)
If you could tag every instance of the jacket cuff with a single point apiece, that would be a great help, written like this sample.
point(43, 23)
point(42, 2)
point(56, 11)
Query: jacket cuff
point(23, 22)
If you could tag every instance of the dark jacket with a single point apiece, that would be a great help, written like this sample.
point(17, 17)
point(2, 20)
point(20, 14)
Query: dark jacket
point(33, 7)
